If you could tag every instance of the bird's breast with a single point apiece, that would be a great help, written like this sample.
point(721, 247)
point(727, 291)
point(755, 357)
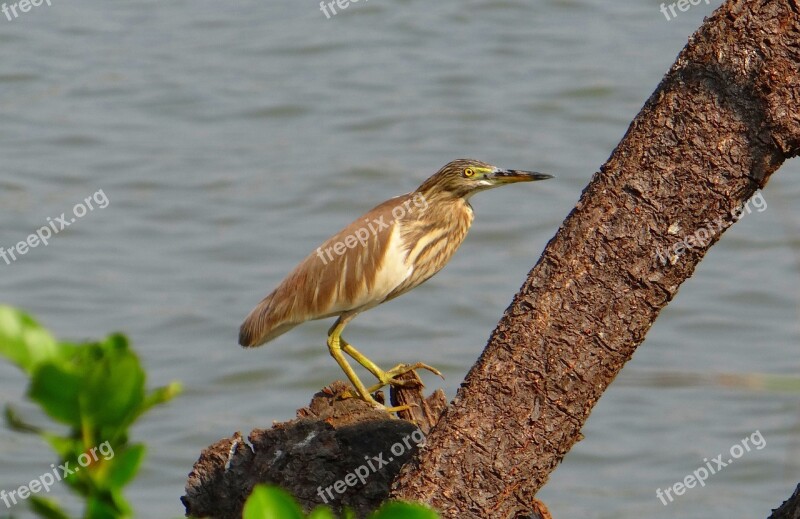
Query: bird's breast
point(395, 267)
point(429, 244)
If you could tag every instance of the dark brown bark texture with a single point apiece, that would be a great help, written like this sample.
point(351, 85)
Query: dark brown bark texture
point(321, 448)
point(721, 121)
point(790, 509)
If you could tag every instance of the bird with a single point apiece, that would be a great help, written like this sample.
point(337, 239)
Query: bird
point(391, 249)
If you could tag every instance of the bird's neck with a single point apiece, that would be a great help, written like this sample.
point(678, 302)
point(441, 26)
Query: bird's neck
point(437, 197)
point(444, 208)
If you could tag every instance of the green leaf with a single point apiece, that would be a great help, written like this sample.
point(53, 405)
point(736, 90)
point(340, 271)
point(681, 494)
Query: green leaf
point(271, 503)
point(46, 508)
point(398, 510)
point(100, 508)
point(113, 383)
point(118, 502)
point(321, 512)
point(57, 389)
point(124, 465)
point(98, 390)
point(161, 395)
point(23, 341)
point(64, 447)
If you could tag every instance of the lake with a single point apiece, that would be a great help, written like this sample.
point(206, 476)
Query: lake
point(231, 139)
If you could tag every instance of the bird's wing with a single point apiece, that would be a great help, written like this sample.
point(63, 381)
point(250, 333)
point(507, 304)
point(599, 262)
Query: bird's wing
point(355, 269)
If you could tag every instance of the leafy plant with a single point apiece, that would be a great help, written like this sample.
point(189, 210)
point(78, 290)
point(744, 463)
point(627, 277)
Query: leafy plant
point(267, 502)
point(97, 389)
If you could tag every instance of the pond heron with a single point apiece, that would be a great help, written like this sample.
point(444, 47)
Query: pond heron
point(391, 249)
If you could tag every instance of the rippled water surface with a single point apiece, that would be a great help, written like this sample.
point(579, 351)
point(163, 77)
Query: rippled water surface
point(232, 138)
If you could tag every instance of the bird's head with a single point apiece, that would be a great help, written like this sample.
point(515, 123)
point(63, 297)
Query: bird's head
point(465, 177)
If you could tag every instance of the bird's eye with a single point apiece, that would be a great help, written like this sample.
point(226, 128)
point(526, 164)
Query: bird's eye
point(469, 172)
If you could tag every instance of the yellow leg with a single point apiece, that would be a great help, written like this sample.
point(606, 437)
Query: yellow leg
point(335, 348)
point(385, 377)
point(388, 377)
point(336, 344)
point(362, 359)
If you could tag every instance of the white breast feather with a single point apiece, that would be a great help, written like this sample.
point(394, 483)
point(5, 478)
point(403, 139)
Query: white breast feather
point(393, 270)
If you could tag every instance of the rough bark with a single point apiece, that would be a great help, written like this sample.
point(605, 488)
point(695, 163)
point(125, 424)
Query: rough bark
point(327, 442)
point(722, 120)
point(790, 509)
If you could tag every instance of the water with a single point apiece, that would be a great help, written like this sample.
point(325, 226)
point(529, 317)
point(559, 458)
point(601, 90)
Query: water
point(231, 139)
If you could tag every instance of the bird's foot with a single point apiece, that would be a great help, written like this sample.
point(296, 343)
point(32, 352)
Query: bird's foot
point(395, 409)
point(349, 393)
point(390, 377)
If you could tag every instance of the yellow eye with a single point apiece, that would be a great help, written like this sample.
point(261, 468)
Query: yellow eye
point(469, 172)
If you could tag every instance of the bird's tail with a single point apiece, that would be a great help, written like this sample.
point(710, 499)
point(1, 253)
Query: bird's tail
point(262, 325)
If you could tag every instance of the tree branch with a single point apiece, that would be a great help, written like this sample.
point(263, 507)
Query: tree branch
point(723, 119)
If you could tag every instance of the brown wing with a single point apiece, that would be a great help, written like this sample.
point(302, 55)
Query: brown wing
point(354, 269)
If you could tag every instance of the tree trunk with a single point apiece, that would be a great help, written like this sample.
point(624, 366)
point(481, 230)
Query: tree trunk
point(790, 509)
point(723, 119)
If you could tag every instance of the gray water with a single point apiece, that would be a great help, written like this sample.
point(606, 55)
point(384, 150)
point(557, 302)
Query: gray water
point(232, 138)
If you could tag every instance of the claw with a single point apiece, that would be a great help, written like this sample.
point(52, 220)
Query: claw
point(389, 378)
point(420, 365)
point(348, 393)
point(402, 369)
point(397, 409)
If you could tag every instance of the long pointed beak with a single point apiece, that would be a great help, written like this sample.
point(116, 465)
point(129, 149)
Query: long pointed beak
point(508, 176)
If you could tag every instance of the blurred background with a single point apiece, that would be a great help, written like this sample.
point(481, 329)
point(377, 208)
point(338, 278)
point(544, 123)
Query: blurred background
point(232, 138)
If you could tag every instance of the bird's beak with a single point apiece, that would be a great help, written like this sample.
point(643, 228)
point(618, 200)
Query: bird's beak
point(509, 176)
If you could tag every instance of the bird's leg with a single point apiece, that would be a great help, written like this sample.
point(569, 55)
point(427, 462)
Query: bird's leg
point(390, 377)
point(386, 378)
point(336, 344)
point(335, 347)
point(372, 368)
point(362, 359)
